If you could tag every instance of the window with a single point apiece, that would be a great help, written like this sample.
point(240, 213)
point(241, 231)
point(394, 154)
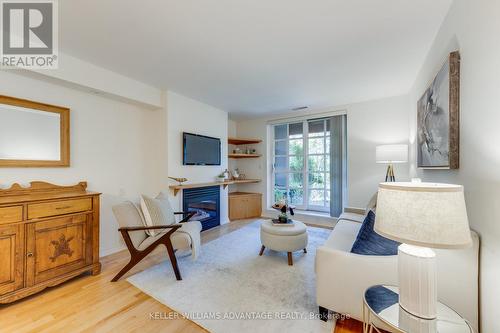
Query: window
point(301, 169)
point(289, 163)
point(318, 165)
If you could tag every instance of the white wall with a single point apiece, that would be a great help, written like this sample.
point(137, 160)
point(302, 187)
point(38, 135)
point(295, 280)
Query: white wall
point(472, 28)
point(368, 124)
point(188, 115)
point(117, 147)
point(79, 74)
point(231, 128)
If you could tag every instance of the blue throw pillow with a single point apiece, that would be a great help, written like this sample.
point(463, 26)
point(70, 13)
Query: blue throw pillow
point(370, 243)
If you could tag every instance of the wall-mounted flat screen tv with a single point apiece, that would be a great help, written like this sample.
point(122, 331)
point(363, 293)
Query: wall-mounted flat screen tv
point(200, 150)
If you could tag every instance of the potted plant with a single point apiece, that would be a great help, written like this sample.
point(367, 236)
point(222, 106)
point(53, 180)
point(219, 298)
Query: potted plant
point(221, 177)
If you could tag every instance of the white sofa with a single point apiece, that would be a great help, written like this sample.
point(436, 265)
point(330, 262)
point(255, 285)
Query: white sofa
point(342, 276)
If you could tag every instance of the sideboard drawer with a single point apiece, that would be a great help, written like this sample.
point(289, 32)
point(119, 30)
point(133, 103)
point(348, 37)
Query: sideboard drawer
point(11, 214)
point(54, 208)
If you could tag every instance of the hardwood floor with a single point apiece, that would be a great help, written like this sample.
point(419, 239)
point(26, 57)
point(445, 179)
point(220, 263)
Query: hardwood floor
point(348, 326)
point(94, 304)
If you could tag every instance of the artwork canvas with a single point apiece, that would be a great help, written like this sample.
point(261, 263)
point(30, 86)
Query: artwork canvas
point(438, 119)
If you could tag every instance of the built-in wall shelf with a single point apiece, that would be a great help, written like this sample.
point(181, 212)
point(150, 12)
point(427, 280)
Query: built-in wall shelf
point(241, 141)
point(232, 155)
point(177, 188)
point(245, 181)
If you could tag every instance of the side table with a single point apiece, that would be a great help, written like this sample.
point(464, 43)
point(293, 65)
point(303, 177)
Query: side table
point(380, 303)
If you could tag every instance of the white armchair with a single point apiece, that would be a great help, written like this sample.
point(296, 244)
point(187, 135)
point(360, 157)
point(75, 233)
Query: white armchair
point(139, 244)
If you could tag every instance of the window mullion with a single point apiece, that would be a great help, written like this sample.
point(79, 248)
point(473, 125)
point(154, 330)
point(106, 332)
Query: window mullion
point(324, 163)
point(287, 193)
point(305, 177)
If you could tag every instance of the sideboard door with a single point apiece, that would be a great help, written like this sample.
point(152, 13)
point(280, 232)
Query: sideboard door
point(11, 258)
point(57, 246)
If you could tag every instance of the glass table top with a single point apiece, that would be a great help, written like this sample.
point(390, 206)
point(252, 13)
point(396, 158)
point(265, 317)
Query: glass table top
point(383, 302)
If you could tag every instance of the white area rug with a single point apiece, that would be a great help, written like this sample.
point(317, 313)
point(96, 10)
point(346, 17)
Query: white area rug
point(229, 279)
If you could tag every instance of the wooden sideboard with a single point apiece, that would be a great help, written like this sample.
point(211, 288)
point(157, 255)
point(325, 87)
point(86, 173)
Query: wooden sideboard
point(48, 234)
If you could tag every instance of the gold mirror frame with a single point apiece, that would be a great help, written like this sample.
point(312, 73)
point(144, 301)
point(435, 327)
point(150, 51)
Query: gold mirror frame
point(64, 159)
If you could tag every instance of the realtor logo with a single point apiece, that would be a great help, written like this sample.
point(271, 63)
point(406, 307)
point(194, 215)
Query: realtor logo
point(29, 34)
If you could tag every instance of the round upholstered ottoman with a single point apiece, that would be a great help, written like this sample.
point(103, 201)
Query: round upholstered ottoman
point(283, 238)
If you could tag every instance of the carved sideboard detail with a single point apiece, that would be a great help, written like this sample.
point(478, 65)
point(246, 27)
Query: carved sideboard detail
point(48, 234)
point(61, 247)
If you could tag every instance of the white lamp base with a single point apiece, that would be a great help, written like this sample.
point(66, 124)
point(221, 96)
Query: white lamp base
point(412, 324)
point(417, 280)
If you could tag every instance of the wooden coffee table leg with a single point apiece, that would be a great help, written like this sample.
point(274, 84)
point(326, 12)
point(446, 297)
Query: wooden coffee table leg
point(262, 250)
point(290, 259)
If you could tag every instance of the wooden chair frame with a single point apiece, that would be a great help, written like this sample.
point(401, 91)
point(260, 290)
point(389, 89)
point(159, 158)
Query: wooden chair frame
point(137, 255)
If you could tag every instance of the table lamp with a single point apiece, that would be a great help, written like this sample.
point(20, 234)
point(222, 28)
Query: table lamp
point(421, 216)
point(391, 154)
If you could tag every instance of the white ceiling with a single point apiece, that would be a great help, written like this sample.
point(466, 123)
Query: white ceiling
point(254, 57)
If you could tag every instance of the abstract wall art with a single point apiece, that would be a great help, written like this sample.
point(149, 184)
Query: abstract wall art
point(438, 119)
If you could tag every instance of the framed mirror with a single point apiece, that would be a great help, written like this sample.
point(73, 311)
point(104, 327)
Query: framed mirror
point(33, 134)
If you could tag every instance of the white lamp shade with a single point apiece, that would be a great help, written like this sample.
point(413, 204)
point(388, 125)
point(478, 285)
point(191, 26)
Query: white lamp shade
point(423, 214)
point(391, 154)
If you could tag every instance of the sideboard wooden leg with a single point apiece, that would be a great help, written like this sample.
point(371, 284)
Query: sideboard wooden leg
point(96, 269)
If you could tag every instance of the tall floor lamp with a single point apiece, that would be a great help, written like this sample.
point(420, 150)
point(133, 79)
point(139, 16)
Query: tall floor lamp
point(391, 154)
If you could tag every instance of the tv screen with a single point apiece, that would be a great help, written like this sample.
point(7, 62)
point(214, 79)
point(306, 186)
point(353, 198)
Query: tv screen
point(200, 150)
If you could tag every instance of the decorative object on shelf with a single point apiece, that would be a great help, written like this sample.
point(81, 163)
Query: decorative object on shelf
point(221, 177)
point(438, 115)
point(391, 154)
point(237, 175)
point(179, 180)
point(421, 215)
point(237, 150)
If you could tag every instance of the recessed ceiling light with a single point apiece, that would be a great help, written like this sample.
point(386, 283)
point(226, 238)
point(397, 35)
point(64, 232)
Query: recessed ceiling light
point(300, 108)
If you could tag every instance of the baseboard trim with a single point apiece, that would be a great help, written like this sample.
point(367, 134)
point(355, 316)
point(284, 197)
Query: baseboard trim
point(107, 252)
